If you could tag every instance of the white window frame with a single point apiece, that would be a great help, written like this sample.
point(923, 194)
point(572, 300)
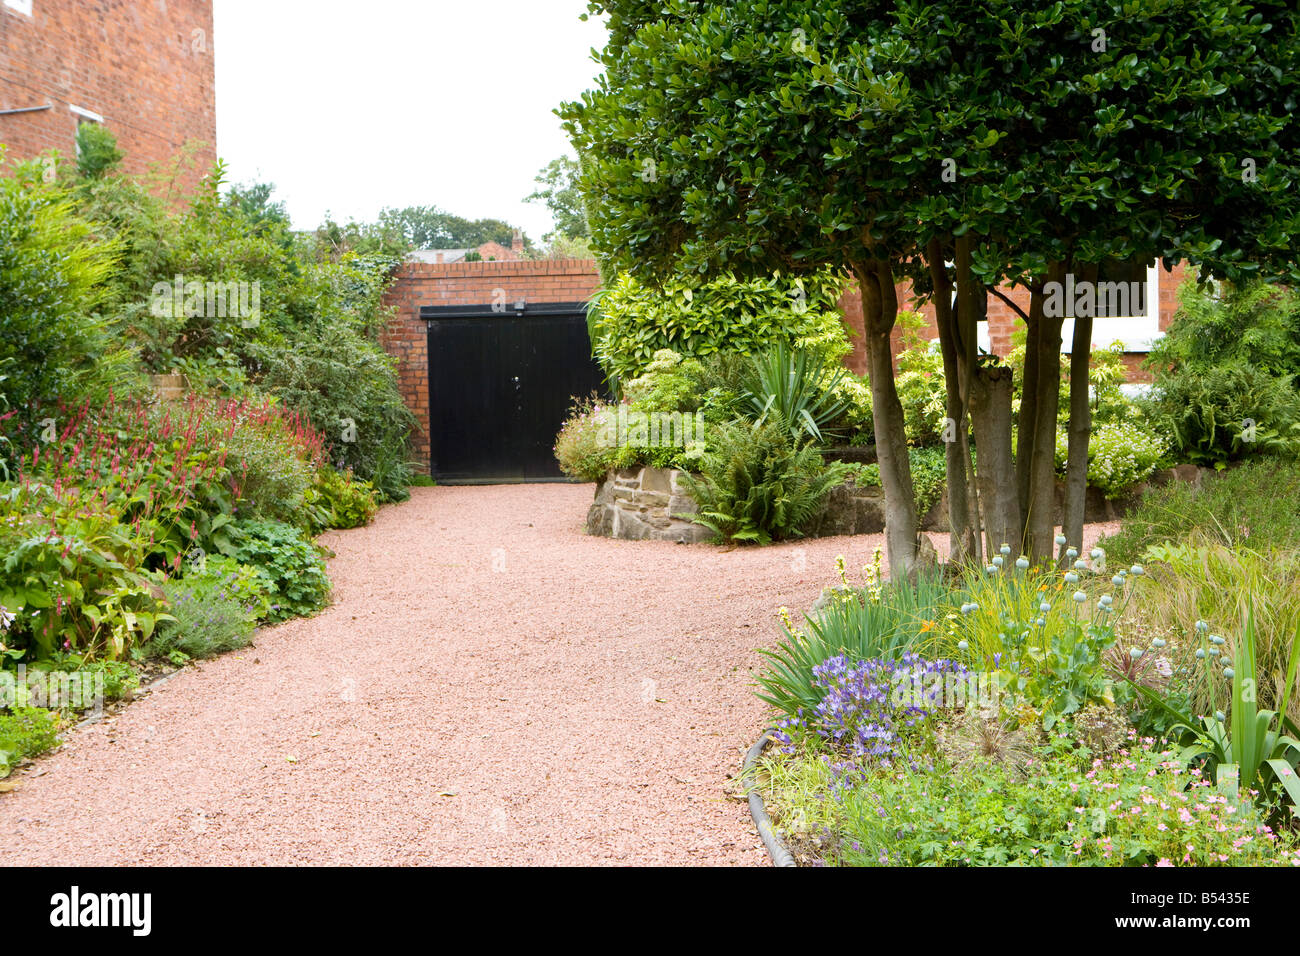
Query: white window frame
point(20, 6)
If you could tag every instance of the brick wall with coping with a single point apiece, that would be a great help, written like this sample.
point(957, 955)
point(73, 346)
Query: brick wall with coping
point(466, 283)
point(145, 66)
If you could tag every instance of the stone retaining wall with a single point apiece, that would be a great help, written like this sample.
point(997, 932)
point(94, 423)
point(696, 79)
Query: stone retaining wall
point(644, 502)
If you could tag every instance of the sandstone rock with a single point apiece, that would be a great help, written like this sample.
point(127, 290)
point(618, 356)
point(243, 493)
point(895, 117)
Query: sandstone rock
point(657, 480)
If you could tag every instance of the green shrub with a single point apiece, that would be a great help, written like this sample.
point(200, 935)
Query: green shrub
point(26, 732)
point(756, 485)
point(1227, 412)
point(929, 476)
point(921, 388)
point(347, 386)
point(344, 501)
point(271, 458)
point(53, 342)
point(214, 608)
point(630, 321)
point(1236, 507)
point(1227, 374)
point(1120, 454)
point(97, 150)
point(1253, 324)
point(292, 568)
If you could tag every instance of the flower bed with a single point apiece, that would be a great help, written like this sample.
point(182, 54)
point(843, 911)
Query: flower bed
point(1030, 716)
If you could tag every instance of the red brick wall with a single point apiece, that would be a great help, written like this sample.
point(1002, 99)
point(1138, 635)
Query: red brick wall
point(574, 280)
point(467, 283)
point(146, 66)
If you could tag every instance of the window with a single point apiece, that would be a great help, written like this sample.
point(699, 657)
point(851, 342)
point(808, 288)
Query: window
point(1138, 331)
point(20, 6)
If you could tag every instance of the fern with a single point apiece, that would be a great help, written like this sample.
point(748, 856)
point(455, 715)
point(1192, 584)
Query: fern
point(757, 485)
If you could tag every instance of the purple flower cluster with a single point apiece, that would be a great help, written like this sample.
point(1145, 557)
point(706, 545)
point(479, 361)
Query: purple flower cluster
point(865, 706)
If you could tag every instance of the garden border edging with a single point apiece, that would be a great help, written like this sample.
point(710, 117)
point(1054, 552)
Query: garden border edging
point(776, 850)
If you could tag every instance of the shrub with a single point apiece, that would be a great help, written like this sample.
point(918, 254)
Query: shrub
point(582, 447)
point(921, 386)
point(53, 342)
point(292, 568)
point(756, 485)
point(344, 501)
point(272, 455)
point(26, 732)
point(1223, 413)
point(214, 607)
point(1120, 454)
point(347, 387)
point(1237, 507)
point(1254, 324)
point(630, 322)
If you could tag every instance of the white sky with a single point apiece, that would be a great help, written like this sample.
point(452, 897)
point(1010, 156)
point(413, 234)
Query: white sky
point(349, 107)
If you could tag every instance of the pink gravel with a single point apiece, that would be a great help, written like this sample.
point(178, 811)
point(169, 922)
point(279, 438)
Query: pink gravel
point(491, 686)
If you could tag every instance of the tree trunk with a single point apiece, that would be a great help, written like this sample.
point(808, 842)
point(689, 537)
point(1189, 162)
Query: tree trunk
point(879, 312)
point(1080, 429)
point(963, 541)
point(990, 412)
point(1028, 417)
point(972, 305)
point(1039, 511)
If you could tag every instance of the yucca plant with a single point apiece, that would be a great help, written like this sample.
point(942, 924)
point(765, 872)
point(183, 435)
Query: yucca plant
point(794, 388)
point(1248, 748)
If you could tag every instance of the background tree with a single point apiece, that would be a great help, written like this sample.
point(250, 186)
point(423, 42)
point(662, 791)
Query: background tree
point(559, 191)
point(428, 227)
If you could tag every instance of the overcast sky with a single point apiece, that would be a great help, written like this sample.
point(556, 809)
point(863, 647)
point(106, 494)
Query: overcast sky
point(349, 106)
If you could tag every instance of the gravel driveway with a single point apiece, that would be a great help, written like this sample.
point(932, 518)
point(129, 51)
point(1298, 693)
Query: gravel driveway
point(490, 686)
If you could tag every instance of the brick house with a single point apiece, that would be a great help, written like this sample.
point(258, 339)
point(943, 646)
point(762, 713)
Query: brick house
point(142, 68)
point(426, 288)
point(491, 251)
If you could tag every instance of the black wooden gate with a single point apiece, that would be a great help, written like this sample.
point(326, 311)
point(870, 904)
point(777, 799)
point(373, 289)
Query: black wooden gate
point(500, 384)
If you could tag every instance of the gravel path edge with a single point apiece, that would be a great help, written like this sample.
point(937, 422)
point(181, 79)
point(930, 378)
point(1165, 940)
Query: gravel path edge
point(776, 850)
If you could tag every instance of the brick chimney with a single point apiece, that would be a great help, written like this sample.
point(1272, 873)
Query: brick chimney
point(517, 243)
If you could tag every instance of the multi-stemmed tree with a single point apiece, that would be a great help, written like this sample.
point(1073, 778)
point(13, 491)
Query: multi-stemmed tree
point(962, 145)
